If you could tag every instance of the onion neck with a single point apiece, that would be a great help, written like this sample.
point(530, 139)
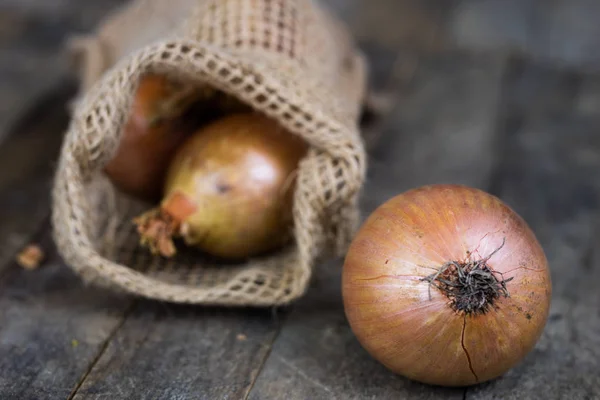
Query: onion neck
point(471, 286)
point(157, 229)
point(159, 226)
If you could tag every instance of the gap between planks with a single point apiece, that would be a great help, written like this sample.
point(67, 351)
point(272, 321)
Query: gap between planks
point(127, 312)
point(267, 354)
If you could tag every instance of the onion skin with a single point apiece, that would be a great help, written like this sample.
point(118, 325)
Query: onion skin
point(150, 138)
point(229, 189)
point(387, 302)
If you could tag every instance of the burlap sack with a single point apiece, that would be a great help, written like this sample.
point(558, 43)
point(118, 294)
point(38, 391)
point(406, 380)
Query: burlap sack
point(289, 59)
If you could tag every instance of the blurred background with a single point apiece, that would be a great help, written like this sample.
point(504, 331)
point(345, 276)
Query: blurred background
point(562, 32)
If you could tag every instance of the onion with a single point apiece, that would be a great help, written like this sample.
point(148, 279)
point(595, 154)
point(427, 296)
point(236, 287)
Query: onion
point(150, 138)
point(229, 190)
point(446, 285)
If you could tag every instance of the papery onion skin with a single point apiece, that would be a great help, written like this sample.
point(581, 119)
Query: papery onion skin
point(149, 140)
point(387, 302)
point(229, 190)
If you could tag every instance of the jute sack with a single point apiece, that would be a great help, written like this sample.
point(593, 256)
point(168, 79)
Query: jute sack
point(289, 59)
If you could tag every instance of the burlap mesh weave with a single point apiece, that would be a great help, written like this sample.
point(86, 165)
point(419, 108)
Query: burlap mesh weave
point(288, 59)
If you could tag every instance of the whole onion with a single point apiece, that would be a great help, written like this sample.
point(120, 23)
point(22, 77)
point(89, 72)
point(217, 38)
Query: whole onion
point(446, 285)
point(150, 137)
point(229, 190)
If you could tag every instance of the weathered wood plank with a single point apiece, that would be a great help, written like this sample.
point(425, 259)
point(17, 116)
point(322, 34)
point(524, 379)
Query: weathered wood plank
point(564, 32)
point(382, 28)
point(32, 35)
point(442, 129)
point(450, 105)
point(51, 329)
point(27, 160)
point(550, 177)
point(169, 351)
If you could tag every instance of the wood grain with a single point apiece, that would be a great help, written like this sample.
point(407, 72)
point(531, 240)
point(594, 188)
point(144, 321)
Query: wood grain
point(51, 328)
point(178, 352)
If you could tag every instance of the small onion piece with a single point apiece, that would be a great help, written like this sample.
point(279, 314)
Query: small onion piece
point(446, 285)
point(229, 190)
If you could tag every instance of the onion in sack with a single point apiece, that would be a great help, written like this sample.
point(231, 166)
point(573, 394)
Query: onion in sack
point(150, 137)
point(446, 285)
point(229, 190)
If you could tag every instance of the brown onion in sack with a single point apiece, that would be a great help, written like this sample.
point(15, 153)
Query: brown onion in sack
point(150, 137)
point(229, 190)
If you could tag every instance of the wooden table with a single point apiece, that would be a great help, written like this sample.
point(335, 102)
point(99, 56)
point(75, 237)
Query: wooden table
point(503, 95)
